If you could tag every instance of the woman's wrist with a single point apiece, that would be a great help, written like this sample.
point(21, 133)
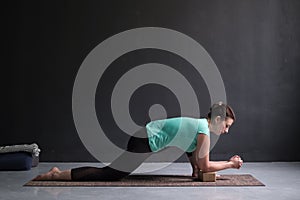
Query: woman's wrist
point(230, 164)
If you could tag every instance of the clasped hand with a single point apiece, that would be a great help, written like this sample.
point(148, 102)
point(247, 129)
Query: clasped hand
point(237, 161)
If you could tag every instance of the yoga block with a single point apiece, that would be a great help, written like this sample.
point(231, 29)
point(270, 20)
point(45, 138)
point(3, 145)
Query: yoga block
point(207, 177)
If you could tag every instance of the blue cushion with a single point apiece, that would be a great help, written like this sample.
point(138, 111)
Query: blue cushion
point(15, 161)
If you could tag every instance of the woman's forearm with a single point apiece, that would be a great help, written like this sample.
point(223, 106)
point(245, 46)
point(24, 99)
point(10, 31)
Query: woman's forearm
point(214, 166)
point(217, 162)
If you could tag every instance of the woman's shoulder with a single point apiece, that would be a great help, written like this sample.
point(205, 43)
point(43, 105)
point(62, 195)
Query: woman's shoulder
point(203, 126)
point(183, 119)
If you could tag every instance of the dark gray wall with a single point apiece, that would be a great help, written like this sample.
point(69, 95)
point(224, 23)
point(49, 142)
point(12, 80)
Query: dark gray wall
point(254, 43)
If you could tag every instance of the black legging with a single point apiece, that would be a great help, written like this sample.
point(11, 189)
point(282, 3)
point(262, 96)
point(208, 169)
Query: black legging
point(110, 173)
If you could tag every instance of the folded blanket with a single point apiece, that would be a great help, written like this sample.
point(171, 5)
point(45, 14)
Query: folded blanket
point(31, 148)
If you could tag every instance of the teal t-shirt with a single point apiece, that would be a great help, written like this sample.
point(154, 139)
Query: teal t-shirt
point(180, 132)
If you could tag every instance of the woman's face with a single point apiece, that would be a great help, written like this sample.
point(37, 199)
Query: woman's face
point(221, 126)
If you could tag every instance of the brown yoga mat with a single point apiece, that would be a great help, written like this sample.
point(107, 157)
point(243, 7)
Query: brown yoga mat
point(156, 181)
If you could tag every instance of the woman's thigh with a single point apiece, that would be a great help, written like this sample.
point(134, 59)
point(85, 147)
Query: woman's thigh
point(139, 142)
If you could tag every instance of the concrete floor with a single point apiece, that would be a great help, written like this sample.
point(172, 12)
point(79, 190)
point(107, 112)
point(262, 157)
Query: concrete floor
point(282, 182)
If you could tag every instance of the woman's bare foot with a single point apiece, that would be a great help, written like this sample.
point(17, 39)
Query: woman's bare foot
point(53, 174)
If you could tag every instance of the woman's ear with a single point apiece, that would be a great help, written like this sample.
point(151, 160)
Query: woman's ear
point(217, 119)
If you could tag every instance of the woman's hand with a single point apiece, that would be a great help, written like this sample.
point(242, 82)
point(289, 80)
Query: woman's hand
point(236, 161)
point(234, 157)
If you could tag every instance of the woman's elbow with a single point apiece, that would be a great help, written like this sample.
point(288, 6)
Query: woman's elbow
point(204, 167)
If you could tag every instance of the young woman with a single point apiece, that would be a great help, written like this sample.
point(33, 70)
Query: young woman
point(189, 134)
